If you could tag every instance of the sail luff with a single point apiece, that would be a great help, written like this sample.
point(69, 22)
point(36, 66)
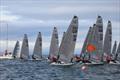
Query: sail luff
point(15, 51)
point(54, 46)
point(25, 48)
point(37, 53)
point(68, 44)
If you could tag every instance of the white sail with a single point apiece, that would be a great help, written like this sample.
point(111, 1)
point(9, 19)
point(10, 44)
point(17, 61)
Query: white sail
point(117, 55)
point(54, 46)
point(25, 48)
point(99, 25)
point(67, 46)
point(114, 49)
point(118, 49)
point(108, 39)
point(16, 50)
point(37, 53)
point(61, 42)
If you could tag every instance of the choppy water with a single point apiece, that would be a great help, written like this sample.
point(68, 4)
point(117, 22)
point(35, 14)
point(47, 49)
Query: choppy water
point(41, 70)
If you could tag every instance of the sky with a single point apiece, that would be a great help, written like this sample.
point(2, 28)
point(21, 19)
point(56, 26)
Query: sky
point(33, 16)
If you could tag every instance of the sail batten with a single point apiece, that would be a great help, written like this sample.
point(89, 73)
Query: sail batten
point(25, 48)
point(37, 53)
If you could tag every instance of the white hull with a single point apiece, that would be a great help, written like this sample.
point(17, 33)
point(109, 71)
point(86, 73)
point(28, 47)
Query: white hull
point(113, 63)
point(37, 59)
point(61, 64)
point(94, 63)
point(6, 57)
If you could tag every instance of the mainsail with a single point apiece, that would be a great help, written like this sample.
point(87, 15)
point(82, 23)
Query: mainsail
point(37, 53)
point(99, 25)
point(87, 39)
point(108, 39)
point(67, 46)
point(60, 48)
point(114, 49)
point(25, 48)
point(54, 46)
point(16, 50)
point(93, 42)
point(118, 52)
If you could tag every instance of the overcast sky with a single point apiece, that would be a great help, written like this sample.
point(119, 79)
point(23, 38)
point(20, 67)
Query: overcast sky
point(33, 16)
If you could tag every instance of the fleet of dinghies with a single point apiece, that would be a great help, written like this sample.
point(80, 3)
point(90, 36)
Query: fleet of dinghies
point(96, 49)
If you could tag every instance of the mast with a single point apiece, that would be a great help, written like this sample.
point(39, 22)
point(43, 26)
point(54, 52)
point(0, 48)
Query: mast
point(68, 43)
point(16, 50)
point(25, 48)
point(37, 53)
point(54, 46)
point(108, 39)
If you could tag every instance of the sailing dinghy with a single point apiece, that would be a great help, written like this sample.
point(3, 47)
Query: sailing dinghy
point(37, 53)
point(25, 48)
point(66, 49)
point(16, 50)
point(54, 46)
point(116, 53)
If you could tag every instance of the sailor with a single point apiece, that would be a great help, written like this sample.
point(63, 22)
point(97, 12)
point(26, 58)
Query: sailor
point(54, 59)
point(77, 59)
point(71, 60)
point(108, 59)
point(6, 53)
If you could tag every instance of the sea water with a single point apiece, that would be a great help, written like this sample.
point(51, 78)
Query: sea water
point(42, 70)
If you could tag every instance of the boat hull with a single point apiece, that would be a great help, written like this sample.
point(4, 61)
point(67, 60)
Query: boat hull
point(93, 63)
point(61, 64)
